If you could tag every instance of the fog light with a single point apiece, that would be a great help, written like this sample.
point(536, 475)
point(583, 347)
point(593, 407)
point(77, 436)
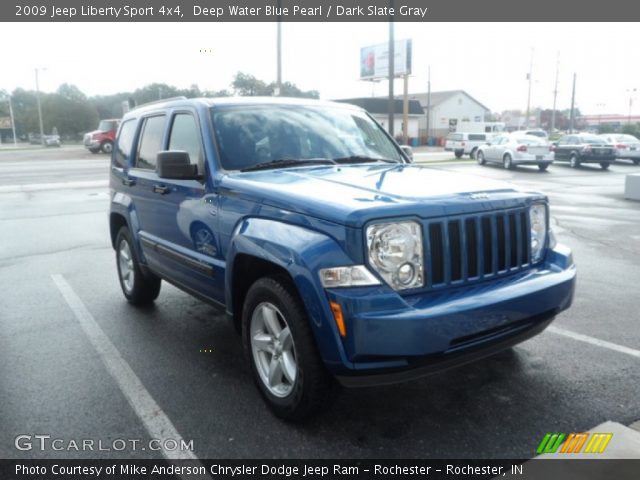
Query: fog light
point(406, 273)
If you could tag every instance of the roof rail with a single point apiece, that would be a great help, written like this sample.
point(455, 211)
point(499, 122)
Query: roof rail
point(162, 100)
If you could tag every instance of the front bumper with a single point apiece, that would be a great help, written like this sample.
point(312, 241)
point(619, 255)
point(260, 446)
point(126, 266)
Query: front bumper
point(392, 338)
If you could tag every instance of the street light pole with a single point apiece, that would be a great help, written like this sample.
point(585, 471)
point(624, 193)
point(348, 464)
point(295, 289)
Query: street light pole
point(13, 123)
point(39, 108)
point(630, 91)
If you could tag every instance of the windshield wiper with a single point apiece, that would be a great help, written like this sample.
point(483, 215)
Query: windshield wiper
point(288, 162)
point(363, 159)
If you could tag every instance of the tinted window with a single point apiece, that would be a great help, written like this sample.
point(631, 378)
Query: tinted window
point(150, 142)
point(124, 143)
point(477, 136)
point(454, 137)
point(185, 136)
point(258, 134)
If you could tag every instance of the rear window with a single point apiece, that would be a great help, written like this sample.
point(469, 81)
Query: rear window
point(591, 139)
point(124, 143)
point(477, 136)
point(530, 140)
point(538, 133)
point(626, 138)
point(455, 137)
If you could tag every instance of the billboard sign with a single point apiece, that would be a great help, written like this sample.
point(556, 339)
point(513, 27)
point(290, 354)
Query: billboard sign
point(374, 61)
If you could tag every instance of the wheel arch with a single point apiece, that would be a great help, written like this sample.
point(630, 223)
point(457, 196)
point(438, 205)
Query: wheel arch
point(262, 247)
point(116, 222)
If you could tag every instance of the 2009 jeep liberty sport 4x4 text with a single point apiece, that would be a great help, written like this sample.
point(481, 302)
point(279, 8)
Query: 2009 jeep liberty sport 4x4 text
point(334, 257)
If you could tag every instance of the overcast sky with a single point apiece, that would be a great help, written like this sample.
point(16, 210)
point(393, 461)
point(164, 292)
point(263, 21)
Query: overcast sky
point(489, 61)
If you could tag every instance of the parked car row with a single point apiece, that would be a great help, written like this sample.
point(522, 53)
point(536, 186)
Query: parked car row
point(527, 148)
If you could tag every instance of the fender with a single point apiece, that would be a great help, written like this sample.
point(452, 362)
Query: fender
point(123, 205)
point(302, 253)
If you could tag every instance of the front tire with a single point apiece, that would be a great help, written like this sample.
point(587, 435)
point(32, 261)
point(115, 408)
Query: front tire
point(636, 162)
point(281, 350)
point(508, 162)
point(573, 161)
point(107, 147)
point(543, 167)
point(139, 288)
point(473, 153)
point(480, 157)
point(604, 165)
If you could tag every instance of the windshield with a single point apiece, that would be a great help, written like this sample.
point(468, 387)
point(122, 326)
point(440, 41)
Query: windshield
point(105, 126)
point(251, 135)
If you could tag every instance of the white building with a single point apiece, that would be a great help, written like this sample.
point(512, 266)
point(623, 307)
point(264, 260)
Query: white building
point(448, 109)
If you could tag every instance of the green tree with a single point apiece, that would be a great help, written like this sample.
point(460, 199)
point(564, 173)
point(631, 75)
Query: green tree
point(246, 85)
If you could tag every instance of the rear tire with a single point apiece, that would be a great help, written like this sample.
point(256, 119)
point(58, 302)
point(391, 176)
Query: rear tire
point(604, 165)
point(282, 352)
point(636, 162)
point(94, 150)
point(543, 167)
point(480, 157)
point(458, 153)
point(139, 288)
point(473, 153)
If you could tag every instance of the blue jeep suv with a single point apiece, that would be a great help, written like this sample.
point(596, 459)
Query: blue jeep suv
point(334, 257)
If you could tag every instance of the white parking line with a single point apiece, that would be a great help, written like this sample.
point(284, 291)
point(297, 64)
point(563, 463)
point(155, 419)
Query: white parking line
point(34, 187)
point(594, 341)
point(153, 418)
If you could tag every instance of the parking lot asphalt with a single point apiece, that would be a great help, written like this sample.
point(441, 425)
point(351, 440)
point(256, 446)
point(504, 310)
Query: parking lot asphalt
point(53, 224)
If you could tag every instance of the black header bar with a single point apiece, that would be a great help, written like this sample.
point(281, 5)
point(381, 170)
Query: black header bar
point(317, 11)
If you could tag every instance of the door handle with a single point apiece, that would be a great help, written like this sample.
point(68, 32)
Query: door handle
point(162, 189)
point(129, 182)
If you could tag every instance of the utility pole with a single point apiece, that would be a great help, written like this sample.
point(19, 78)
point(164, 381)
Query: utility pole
point(278, 91)
point(555, 96)
point(392, 101)
point(405, 111)
point(429, 104)
point(526, 120)
point(573, 102)
point(39, 108)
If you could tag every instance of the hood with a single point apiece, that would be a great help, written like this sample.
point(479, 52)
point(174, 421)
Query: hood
point(355, 194)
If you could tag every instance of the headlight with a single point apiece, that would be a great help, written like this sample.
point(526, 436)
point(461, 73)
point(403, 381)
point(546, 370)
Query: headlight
point(538, 222)
point(353, 276)
point(395, 252)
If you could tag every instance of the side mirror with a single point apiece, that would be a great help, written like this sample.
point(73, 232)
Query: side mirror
point(176, 164)
point(408, 151)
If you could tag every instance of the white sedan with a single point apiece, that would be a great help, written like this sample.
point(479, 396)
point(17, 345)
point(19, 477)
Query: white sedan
point(627, 146)
point(514, 149)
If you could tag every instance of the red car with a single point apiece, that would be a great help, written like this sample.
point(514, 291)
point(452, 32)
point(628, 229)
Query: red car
point(103, 138)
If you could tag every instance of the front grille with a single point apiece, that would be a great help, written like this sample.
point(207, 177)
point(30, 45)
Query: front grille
point(474, 247)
